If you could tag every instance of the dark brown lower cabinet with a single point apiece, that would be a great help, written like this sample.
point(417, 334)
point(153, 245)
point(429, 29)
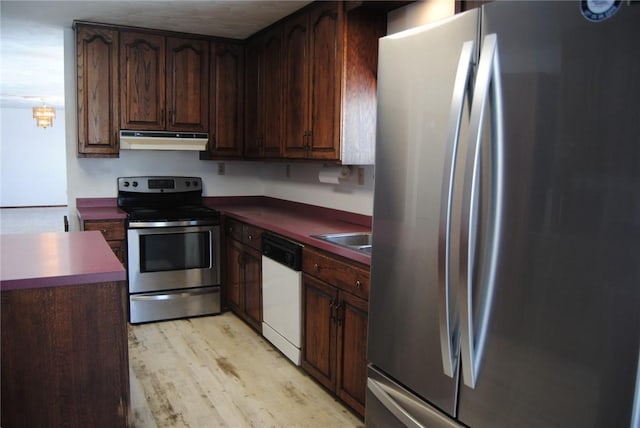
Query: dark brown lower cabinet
point(114, 232)
point(320, 328)
point(244, 282)
point(65, 356)
point(335, 340)
point(351, 383)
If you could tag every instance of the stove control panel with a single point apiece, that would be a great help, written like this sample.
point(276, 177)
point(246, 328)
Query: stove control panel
point(159, 184)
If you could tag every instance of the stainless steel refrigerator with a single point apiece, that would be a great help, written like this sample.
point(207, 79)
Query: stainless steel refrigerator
point(506, 224)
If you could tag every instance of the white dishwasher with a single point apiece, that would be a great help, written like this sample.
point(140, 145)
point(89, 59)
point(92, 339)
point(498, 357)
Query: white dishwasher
point(282, 294)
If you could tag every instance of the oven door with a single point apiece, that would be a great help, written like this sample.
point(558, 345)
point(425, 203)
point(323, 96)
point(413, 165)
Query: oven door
point(168, 258)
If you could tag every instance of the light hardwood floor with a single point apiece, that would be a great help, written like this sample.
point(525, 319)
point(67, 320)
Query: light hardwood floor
point(217, 372)
point(32, 219)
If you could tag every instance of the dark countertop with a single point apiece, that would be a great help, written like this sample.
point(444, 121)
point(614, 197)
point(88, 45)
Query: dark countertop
point(52, 259)
point(293, 220)
point(298, 226)
point(99, 209)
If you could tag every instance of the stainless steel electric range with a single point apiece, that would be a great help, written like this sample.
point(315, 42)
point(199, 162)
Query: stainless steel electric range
point(173, 244)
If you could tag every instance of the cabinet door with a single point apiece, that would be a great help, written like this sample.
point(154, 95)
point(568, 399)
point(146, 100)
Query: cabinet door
point(263, 95)
point(98, 101)
point(187, 85)
point(253, 112)
point(352, 351)
point(325, 68)
point(296, 52)
point(271, 102)
point(235, 276)
point(319, 330)
point(226, 107)
point(142, 85)
point(253, 287)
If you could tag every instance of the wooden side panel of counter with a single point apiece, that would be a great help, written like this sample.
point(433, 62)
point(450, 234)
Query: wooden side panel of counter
point(64, 356)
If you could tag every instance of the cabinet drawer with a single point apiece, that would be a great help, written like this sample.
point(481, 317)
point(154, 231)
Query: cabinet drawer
point(252, 236)
point(113, 230)
point(336, 271)
point(233, 229)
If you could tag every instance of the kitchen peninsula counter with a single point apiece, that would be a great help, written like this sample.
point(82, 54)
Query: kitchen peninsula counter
point(52, 259)
point(64, 351)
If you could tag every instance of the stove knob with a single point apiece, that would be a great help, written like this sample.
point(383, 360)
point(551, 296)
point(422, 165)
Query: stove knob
point(195, 183)
point(126, 184)
point(135, 184)
point(187, 183)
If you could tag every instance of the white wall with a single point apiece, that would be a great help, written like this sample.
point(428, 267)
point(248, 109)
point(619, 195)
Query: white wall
point(32, 159)
point(303, 186)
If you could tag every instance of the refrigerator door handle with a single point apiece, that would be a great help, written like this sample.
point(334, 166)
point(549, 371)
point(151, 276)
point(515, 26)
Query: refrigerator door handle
point(409, 409)
point(488, 86)
point(390, 404)
point(449, 335)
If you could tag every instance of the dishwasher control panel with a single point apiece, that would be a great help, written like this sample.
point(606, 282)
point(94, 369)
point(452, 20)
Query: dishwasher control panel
point(282, 250)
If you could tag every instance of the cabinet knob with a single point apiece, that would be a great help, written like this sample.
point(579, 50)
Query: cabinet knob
point(250, 237)
point(358, 284)
point(316, 266)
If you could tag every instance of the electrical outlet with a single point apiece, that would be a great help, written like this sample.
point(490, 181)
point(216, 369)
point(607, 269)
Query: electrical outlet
point(220, 168)
point(361, 176)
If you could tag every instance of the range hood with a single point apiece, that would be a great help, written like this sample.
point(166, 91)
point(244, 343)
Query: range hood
point(163, 140)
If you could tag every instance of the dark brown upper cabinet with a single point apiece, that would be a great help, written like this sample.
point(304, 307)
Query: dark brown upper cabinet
point(98, 101)
point(226, 101)
point(164, 82)
point(303, 88)
point(263, 95)
point(330, 69)
point(187, 84)
point(298, 68)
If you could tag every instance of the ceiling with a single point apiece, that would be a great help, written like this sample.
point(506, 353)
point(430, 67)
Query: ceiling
point(31, 34)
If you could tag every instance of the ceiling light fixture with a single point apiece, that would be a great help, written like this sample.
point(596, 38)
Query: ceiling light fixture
point(44, 116)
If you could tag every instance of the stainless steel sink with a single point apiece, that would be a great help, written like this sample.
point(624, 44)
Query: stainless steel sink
point(359, 241)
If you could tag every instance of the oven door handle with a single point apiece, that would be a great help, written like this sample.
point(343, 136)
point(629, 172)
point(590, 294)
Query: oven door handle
point(174, 295)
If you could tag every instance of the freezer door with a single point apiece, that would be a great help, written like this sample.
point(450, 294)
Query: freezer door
point(412, 333)
point(562, 342)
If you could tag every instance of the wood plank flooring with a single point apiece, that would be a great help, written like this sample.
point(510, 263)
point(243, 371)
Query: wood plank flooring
point(217, 372)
